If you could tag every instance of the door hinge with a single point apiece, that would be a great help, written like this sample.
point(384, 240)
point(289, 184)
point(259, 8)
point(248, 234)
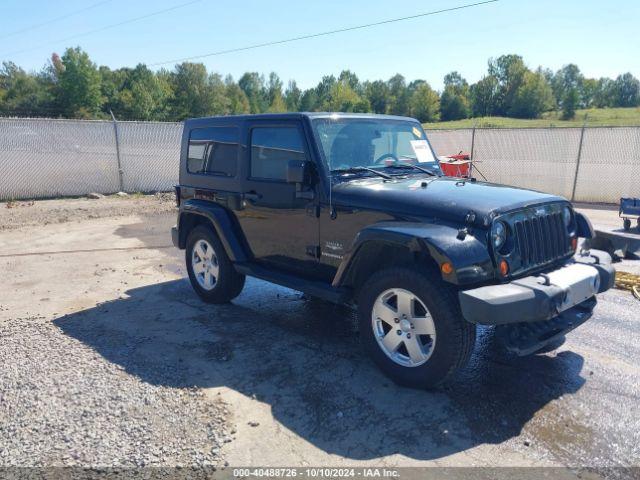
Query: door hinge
point(313, 251)
point(313, 211)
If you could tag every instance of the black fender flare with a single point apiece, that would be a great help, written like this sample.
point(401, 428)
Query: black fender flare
point(584, 227)
point(469, 256)
point(223, 223)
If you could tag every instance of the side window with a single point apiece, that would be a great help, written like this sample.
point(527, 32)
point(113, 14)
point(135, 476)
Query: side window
point(271, 150)
point(213, 151)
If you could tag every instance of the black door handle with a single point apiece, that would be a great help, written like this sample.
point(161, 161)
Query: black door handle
point(252, 196)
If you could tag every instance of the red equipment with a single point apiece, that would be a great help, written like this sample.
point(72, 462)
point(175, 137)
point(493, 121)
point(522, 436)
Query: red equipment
point(456, 165)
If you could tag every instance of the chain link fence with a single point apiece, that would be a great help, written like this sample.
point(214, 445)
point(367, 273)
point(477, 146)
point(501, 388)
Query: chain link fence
point(48, 158)
point(588, 164)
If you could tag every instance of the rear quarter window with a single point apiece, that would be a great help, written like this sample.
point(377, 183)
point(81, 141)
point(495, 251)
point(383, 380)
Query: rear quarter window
point(213, 151)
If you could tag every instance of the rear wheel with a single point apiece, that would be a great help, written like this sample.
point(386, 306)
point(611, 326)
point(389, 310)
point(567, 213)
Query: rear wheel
point(210, 271)
point(412, 327)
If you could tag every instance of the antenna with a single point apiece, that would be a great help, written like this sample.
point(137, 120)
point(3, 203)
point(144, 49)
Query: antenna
point(330, 187)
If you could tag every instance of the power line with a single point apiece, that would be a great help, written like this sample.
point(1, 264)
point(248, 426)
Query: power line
point(107, 27)
point(322, 34)
point(53, 20)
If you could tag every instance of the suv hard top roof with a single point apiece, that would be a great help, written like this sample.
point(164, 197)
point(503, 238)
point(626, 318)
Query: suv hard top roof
point(292, 116)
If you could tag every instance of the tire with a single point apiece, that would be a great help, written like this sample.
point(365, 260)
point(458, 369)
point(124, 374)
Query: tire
point(216, 281)
point(439, 355)
point(626, 224)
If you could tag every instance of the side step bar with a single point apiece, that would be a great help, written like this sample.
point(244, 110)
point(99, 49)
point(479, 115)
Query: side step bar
point(313, 288)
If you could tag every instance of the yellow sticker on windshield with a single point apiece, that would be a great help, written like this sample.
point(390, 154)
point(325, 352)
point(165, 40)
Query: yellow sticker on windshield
point(417, 132)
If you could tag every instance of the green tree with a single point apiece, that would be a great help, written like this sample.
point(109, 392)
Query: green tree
point(22, 93)
point(143, 95)
point(252, 84)
point(566, 79)
point(112, 82)
point(352, 80)
point(292, 97)
point(399, 96)
point(197, 94)
point(274, 94)
point(378, 95)
point(238, 101)
point(79, 92)
point(589, 92)
point(343, 98)
point(484, 97)
point(570, 104)
point(425, 104)
point(604, 94)
point(533, 97)
point(323, 90)
point(454, 101)
point(309, 101)
point(509, 71)
point(626, 91)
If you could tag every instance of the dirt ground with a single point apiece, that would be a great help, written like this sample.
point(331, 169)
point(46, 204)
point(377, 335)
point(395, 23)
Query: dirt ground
point(109, 358)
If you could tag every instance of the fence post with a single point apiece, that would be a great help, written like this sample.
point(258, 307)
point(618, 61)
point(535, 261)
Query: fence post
point(473, 139)
point(115, 131)
point(575, 175)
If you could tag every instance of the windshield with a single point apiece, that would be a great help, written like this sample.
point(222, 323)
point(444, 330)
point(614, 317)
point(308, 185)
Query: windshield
point(353, 143)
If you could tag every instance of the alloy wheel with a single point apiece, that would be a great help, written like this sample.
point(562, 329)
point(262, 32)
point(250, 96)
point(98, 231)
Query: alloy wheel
point(403, 327)
point(205, 264)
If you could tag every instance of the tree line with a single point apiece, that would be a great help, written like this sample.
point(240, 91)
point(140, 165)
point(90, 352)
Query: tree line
point(72, 86)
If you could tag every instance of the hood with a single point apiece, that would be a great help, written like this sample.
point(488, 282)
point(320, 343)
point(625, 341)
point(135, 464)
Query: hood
point(442, 197)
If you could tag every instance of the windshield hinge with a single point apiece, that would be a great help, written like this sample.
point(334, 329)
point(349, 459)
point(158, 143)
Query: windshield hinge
point(313, 251)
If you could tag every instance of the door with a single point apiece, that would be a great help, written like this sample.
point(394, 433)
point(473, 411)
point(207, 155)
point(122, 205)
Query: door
point(281, 229)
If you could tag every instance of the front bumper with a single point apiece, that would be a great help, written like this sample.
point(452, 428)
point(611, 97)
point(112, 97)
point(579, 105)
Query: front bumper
point(540, 297)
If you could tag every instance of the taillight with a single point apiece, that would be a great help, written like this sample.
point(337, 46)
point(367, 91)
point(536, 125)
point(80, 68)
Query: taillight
point(177, 196)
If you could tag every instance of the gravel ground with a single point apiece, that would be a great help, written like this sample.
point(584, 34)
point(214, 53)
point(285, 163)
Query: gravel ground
point(63, 404)
point(20, 214)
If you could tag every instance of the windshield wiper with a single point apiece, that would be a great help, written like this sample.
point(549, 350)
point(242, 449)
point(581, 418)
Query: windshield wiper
point(415, 167)
point(362, 169)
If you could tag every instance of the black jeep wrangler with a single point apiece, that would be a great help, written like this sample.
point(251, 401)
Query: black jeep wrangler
point(354, 209)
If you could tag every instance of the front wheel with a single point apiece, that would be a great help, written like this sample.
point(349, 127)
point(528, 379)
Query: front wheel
point(210, 270)
point(412, 326)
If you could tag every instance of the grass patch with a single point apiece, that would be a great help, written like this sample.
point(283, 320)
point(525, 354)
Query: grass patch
point(595, 117)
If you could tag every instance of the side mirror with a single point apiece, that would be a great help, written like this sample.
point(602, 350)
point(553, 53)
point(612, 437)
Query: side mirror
point(297, 171)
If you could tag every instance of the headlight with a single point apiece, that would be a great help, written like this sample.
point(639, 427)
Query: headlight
point(498, 235)
point(566, 215)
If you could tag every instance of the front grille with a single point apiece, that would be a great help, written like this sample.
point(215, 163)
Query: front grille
point(541, 239)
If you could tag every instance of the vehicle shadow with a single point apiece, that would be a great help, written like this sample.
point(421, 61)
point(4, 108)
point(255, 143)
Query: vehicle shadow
point(302, 357)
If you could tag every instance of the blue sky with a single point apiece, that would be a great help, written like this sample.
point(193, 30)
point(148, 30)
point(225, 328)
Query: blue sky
point(601, 37)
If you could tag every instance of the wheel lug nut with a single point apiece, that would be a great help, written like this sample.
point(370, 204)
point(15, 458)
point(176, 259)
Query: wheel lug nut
point(408, 335)
point(399, 332)
point(397, 320)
